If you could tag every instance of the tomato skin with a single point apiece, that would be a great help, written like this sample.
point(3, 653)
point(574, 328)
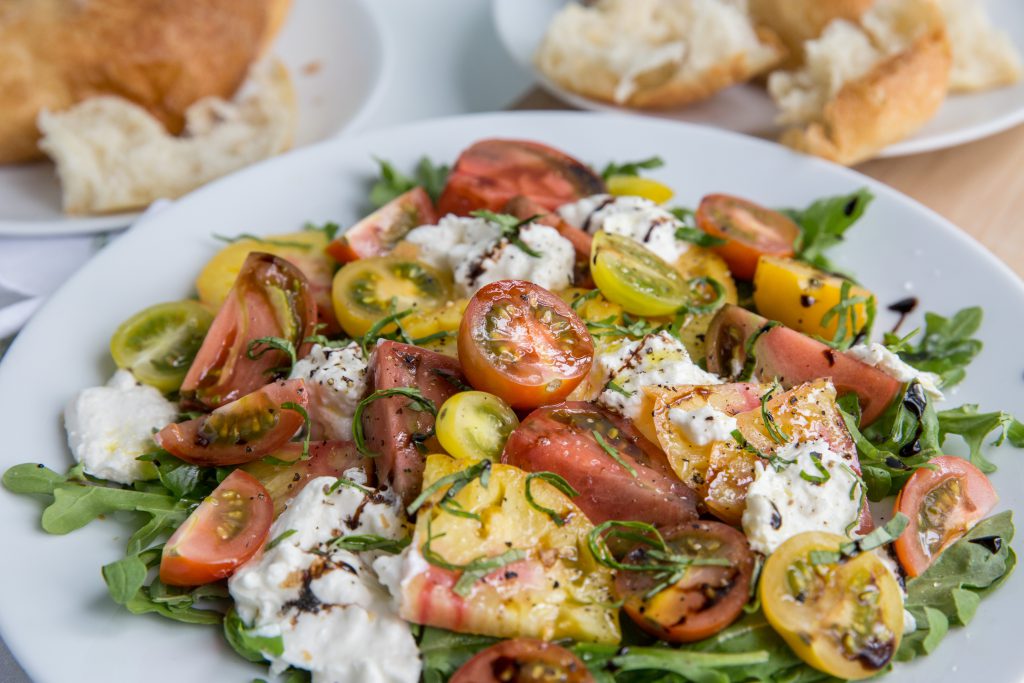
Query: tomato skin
point(490, 172)
point(326, 459)
point(270, 298)
point(544, 364)
point(560, 439)
point(474, 425)
point(974, 497)
point(523, 660)
point(377, 234)
point(761, 231)
point(629, 274)
point(685, 612)
point(795, 358)
point(197, 552)
point(220, 438)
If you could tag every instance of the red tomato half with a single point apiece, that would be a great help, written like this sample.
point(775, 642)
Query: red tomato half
point(491, 172)
point(524, 344)
point(943, 504)
point(706, 599)
point(523, 660)
point(222, 533)
point(378, 233)
point(749, 229)
point(241, 431)
point(618, 473)
point(270, 298)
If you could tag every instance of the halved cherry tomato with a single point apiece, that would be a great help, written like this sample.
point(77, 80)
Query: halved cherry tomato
point(367, 290)
point(749, 229)
point(779, 352)
point(523, 660)
point(241, 431)
point(490, 172)
point(288, 473)
point(220, 535)
point(846, 618)
point(474, 425)
point(523, 343)
point(636, 278)
point(159, 343)
point(706, 599)
point(270, 298)
point(942, 504)
point(378, 233)
point(618, 473)
point(637, 186)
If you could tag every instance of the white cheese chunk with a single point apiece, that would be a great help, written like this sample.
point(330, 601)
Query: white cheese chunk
point(110, 426)
point(477, 254)
point(326, 604)
point(336, 381)
point(635, 217)
point(703, 425)
point(656, 360)
point(878, 356)
point(781, 503)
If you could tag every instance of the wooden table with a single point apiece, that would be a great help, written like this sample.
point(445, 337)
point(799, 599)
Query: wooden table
point(978, 186)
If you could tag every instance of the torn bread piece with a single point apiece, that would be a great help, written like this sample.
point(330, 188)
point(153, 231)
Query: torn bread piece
point(864, 86)
point(797, 21)
point(983, 56)
point(655, 53)
point(112, 155)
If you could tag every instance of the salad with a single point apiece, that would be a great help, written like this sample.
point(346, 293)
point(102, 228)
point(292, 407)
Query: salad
point(528, 421)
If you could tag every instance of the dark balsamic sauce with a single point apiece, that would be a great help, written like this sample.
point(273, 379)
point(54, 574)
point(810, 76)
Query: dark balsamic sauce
point(904, 307)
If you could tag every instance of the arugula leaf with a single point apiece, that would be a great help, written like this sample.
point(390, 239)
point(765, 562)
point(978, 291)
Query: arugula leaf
point(247, 645)
point(126, 584)
point(632, 168)
point(443, 652)
point(946, 348)
point(974, 427)
point(690, 664)
point(329, 229)
point(32, 478)
point(75, 505)
point(689, 231)
point(823, 224)
point(393, 183)
point(125, 578)
point(948, 592)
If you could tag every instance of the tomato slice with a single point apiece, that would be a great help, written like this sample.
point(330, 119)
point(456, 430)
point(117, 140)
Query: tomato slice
point(159, 343)
point(474, 425)
point(288, 473)
point(367, 290)
point(706, 599)
point(490, 172)
point(844, 618)
point(270, 298)
point(378, 233)
point(942, 504)
point(793, 358)
point(618, 473)
point(636, 278)
point(521, 342)
point(523, 660)
point(241, 431)
point(221, 534)
point(750, 230)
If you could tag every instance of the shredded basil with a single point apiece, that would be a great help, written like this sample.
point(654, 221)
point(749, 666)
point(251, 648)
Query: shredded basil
point(613, 453)
point(457, 481)
point(510, 228)
point(559, 483)
point(417, 401)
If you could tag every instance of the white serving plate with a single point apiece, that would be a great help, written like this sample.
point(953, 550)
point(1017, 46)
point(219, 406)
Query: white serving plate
point(54, 610)
point(748, 109)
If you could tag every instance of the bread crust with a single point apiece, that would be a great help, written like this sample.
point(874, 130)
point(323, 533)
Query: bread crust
point(797, 21)
point(894, 99)
point(161, 54)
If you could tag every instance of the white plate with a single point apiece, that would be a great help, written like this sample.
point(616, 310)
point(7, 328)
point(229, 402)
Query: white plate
point(332, 49)
point(748, 108)
point(52, 599)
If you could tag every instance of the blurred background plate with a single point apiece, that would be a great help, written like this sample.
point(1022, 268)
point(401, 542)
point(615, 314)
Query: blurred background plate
point(333, 51)
point(748, 108)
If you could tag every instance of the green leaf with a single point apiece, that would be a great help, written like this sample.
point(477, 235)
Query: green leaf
point(329, 229)
point(443, 652)
point(947, 347)
point(125, 578)
point(75, 505)
point(974, 427)
point(824, 223)
point(393, 183)
point(247, 645)
point(631, 168)
point(32, 478)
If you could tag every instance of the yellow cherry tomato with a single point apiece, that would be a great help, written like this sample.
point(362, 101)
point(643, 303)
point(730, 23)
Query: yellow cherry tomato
point(635, 186)
point(591, 306)
point(699, 263)
point(844, 618)
point(366, 291)
point(436, 329)
point(159, 343)
point(634, 277)
point(799, 296)
point(474, 425)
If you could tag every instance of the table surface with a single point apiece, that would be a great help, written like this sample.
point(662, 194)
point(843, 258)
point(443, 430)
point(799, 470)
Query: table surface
point(978, 186)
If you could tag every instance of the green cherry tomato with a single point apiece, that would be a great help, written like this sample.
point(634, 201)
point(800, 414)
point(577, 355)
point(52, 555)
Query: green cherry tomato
point(636, 278)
